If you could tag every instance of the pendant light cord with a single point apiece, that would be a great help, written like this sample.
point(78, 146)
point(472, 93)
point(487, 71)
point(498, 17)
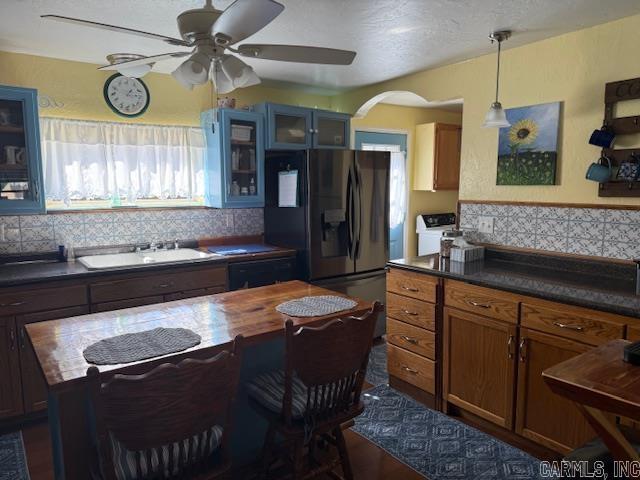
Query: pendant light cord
point(498, 69)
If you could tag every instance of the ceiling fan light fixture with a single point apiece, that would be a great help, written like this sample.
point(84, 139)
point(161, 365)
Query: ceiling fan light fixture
point(221, 81)
point(181, 78)
point(135, 72)
point(239, 72)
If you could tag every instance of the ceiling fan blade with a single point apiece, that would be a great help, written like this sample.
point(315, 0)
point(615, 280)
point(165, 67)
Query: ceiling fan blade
point(144, 61)
point(114, 28)
point(243, 18)
point(295, 53)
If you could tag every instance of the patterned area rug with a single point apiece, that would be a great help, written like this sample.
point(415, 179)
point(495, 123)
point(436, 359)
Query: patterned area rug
point(435, 445)
point(13, 461)
point(377, 366)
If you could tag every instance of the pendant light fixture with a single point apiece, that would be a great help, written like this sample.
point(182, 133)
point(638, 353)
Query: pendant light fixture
point(496, 118)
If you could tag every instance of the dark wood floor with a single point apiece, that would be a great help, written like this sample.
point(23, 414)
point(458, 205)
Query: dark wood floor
point(368, 461)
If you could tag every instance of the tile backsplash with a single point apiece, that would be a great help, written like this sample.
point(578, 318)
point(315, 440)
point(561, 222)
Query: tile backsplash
point(601, 232)
point(42, 233)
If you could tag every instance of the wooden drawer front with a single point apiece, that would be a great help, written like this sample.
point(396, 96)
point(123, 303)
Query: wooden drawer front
point(412, 368)
point(411, 284)
point(130, 303)
point(571, 322)
point(409, 310)
point(200, 292)
point(417, 340)
point(480, 300)
point(157, 284)
point(26, 301)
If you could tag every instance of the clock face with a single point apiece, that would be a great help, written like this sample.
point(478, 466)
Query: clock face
point(126, 96)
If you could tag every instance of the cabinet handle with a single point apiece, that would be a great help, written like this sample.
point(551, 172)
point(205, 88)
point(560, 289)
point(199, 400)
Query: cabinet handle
point(22, 339)
point(164, 285)
point(311, 130)
point(568, 326)
point(410, 289)
point(407, 312)
point(409, 339)
point(522, 347)
point(12, 339)
point(478, 304)
point(13, 304)
point(36, 191)
point(410, 370)
point(510, 347)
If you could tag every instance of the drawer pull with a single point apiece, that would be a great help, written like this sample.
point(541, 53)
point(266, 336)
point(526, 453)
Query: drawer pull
point(478, 304)
point(410, 289)
point(13, 304)
point(12, 339)
point(410, 370)
point(510, 347)
point(568, 326)
point(407, 312)
point(164, 285)
point(409, 339)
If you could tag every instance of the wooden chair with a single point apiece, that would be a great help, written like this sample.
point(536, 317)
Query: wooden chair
point(317, 392)
point(172, 422)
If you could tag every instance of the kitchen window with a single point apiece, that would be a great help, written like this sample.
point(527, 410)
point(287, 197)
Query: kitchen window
point(102, 164)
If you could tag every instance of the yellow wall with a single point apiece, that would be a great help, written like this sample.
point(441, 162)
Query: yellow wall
point(78, 86)
point(571, 68)
point(392, 117)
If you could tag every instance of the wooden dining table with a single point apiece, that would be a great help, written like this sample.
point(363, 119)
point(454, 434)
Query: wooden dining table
point(59, 344)
point(602, 385)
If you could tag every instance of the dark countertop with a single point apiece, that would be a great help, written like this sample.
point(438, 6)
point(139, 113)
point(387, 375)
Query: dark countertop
point(600, 285)
point(12, 275)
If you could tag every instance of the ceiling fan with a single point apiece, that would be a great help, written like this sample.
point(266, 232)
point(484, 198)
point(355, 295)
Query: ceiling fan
point(212, 34)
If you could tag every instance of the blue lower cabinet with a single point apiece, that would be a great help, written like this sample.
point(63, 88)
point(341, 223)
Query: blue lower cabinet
point(234, 162)
point(21, 183)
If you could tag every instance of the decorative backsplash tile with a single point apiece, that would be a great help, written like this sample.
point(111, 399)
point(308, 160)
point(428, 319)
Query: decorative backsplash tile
point(602, 232)
point(42, 233)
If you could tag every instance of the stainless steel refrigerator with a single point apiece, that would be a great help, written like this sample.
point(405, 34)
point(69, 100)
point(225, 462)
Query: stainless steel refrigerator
point(340, 222)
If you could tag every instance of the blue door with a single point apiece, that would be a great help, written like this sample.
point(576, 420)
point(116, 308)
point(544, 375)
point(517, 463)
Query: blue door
point(396, 143)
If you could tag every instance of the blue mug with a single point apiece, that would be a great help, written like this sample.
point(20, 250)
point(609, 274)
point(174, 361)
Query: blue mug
point(598, 172)
point(602, 138)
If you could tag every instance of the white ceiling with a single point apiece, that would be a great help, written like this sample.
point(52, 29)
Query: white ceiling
point(410, 99)
point(392, 37)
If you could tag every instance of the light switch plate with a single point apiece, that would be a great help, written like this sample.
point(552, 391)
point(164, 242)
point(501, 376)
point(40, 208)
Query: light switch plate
point(485, 224)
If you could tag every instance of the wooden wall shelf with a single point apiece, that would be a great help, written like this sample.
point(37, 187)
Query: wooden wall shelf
point(615, 92)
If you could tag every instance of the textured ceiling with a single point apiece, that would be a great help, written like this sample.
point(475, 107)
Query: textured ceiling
point(392, 37)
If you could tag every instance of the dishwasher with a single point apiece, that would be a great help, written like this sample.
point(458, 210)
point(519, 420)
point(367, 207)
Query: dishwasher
point(258, 273)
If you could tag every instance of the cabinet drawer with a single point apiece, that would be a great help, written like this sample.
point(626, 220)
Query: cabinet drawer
point(157, 284)
point(480, 300)
point(409, 310)
point(417, 340)
point(411, 368)
point(576, 323)
point(40, 299)
point(130, 303)
point(633, 332)
point(200, 292)
point(411, 284)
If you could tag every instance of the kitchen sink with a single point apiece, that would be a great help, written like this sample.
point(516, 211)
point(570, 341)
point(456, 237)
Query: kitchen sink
point(115, 260)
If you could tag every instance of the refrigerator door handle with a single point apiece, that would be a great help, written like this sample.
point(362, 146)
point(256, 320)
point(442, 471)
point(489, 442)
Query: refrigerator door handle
point(358, 209)
point(349, 216)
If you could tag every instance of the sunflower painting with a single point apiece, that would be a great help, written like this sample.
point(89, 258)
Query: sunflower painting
point(528, 149)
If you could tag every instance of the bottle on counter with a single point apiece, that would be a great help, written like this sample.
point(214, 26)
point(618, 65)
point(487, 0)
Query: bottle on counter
point(252, 187)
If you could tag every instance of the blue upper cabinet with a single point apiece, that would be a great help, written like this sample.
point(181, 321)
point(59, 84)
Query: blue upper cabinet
point(300, 128)
point(21, 185)
point(234, 165)
point(331, 129)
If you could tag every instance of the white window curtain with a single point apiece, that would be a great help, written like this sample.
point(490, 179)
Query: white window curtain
point(99, 160)
point(397, 181)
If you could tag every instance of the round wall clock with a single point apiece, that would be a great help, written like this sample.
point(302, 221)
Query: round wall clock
point(126, 96)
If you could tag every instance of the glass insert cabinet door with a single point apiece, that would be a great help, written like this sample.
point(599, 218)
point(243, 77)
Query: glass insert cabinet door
point(20, 164)
point(244, 156)
point(331, 130)
point(288, 127)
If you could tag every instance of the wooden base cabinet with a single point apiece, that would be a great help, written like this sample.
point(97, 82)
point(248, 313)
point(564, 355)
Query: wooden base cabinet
point(479, 365)
point(541, 415)
point(10, 387)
